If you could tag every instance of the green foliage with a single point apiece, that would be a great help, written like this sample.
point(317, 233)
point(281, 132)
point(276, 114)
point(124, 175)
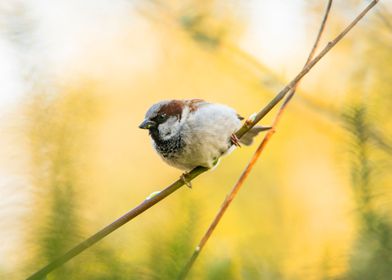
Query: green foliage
point(221, 270)
point(194, 24)
point(372, 254)
point(54, 129)
point(169, 251)
point(57, 130)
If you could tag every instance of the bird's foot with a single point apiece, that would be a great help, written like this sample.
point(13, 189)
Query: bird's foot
point(185, 180)
point(234, 140)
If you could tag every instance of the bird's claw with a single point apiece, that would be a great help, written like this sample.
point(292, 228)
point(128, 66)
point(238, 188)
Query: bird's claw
point(234, 140)
point(185, 180)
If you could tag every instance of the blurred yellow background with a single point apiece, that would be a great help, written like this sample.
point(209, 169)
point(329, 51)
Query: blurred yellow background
point(77, 80)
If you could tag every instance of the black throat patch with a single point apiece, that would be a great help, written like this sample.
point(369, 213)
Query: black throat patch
point(167, 148)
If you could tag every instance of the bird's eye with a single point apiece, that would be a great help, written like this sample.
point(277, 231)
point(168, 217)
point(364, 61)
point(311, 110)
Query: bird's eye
point(160, 118)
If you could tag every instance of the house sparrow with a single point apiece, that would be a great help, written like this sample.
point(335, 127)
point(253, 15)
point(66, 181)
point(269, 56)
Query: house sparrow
point(191, 133)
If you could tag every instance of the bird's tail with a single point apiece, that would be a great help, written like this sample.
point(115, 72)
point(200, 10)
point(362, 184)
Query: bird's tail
point(247, 138)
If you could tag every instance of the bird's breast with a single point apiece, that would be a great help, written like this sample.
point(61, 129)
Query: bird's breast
point(169, 148)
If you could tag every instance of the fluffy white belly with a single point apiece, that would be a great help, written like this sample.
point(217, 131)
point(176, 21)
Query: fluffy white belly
point(206, 136)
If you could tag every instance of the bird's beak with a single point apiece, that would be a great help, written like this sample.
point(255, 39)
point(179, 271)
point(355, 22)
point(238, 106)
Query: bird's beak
point(147, 124)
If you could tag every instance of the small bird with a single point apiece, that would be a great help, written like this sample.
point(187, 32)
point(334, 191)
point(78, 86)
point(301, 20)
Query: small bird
point(191, 133)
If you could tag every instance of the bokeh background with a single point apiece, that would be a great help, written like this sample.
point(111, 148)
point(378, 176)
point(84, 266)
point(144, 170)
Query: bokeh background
point(76, 78)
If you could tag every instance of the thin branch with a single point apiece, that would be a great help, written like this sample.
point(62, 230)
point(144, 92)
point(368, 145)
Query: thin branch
point(319, 34)
point(226, 203)
point(152, 200)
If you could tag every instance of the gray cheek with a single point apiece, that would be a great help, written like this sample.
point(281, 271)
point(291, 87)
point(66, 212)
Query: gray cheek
point(169, 128)
point(164, 130)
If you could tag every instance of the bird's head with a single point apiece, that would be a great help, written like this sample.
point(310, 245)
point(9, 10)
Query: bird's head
point(163, 119)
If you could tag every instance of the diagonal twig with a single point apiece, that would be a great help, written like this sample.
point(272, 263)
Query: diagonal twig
point(152, 200)
point(226, 203)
